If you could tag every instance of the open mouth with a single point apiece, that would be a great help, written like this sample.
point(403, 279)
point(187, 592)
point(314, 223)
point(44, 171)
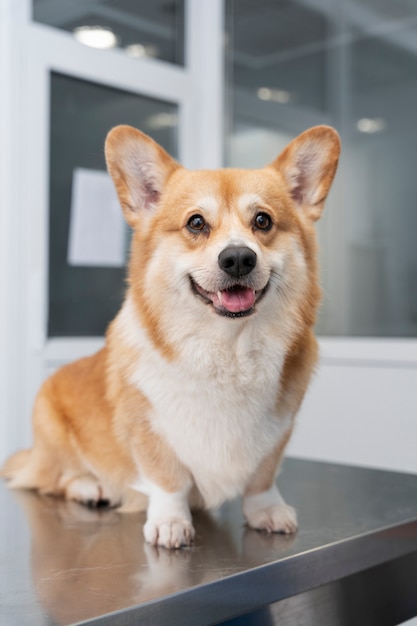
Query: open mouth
point(236, 301)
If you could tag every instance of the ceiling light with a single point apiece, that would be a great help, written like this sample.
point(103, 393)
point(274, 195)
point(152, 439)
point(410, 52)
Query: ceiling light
point(139, 51)
point(162, 120)
point(274, 95)
point(136, 50)
point(96, 37)
point(371, 125)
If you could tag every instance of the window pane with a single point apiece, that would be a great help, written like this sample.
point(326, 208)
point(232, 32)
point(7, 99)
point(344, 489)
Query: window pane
point(82, 300)
point(381, 180)
point(351, 64)
point(140, 27)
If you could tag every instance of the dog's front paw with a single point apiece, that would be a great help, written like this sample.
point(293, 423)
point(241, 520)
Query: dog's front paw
point(268, 511)
point(279, 518)
point(169, 533)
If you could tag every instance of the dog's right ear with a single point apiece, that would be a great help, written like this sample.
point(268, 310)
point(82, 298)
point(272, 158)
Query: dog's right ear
point(139, 168)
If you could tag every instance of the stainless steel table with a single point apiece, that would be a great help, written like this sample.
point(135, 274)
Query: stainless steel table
point(353, 561)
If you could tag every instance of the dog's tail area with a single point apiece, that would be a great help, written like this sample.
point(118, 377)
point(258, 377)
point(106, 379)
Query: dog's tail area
point(24, 470)
point(15, 465)
point(34, 468)
point(51, 462)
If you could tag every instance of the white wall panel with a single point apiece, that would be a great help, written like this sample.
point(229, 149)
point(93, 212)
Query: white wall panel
point(361, 415)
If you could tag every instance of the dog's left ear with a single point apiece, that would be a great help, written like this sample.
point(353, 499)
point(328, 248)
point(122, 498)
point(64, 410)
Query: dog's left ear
point(308, 165)
point(140, 169)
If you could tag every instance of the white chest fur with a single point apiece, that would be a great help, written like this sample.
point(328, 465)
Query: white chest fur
point(215, 405)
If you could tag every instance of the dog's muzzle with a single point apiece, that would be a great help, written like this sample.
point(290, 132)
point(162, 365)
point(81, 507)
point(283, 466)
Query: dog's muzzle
point(237, 295)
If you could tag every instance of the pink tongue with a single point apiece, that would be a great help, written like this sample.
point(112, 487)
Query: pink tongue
point(237, 300)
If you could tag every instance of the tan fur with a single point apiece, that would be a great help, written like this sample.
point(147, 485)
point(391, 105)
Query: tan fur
point(96, 430)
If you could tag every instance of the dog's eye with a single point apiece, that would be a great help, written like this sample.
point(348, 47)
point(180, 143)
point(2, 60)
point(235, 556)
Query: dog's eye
point(196, 223)
point(263, 221)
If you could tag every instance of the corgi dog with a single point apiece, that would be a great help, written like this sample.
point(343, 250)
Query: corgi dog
point(193, 398)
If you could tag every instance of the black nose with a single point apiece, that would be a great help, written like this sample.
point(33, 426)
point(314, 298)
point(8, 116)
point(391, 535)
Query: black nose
point(237, 260)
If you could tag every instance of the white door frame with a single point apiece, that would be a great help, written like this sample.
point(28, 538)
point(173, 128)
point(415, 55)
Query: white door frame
point(12, 15)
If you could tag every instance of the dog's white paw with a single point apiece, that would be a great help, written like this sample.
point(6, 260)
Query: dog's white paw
point(169, 533)
point(279, 518)
point(268, 511)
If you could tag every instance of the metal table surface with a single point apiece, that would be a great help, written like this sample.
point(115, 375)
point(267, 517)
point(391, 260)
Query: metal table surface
point(353, 560)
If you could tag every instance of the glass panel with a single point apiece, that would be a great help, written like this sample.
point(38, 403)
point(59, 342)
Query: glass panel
point(82, 300)
point(140, 27)
point(382, 225)
point(351, 64)
point(278, 75)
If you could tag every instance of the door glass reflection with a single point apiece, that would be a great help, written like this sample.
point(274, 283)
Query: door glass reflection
point(140, 28)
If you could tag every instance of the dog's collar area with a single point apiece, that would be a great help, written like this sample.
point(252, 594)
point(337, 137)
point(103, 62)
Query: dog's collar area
point(236, 301)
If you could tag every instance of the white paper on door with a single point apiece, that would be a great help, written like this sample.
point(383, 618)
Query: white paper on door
point(97, 233)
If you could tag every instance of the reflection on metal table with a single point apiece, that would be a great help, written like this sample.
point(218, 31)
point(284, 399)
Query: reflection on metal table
point(353, 560)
